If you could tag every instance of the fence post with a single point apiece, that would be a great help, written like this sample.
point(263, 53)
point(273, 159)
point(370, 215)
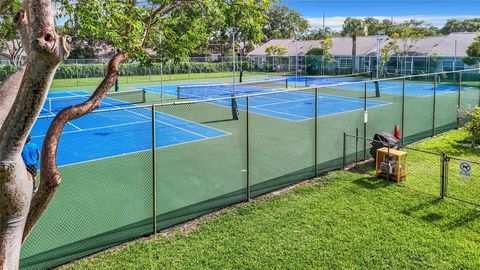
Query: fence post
point(316, 132)
point(403, 113)
point(442, 176)
point(248, 146)
point(154, 173)
point(365, 115)
point(344, 150)
point(356, 146)
point(459, 99)
point(434, 103)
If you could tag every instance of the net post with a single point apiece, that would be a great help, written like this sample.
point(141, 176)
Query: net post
point(344, 150)
point(286, 83)
point(434, 103)
point(248, 146)
point(315, 133)
point(459, 98)
point(144, 95)
point(154, 173)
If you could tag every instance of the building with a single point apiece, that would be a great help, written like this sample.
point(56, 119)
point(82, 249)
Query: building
point(430, 54)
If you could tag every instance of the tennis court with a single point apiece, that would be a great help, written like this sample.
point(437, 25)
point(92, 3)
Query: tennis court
point(299, 106)
point(412, 89)
point(290, 106)
point(114, 131)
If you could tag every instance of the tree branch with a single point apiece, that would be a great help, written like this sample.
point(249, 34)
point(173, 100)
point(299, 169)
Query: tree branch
point(50, 177)
point(8, 91)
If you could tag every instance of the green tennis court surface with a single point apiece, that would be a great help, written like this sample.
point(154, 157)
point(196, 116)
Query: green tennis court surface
point(106, 202)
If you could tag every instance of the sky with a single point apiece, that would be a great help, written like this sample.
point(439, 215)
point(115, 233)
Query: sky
point(436, 12)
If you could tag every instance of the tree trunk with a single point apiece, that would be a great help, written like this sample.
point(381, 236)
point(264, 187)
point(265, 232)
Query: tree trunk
point(49, 173)
point(22, 97)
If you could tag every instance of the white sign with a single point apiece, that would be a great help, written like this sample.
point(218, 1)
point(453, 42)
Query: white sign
point(465, 168)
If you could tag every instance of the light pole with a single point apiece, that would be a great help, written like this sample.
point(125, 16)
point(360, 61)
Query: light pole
point(161, 69)
point(379, 37)
point(234, 56)
point(296, 60)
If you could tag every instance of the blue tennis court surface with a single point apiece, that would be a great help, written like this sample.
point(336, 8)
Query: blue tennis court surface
point(299, 106)
point(291, 106)
point(412, 89)
point(118, 132)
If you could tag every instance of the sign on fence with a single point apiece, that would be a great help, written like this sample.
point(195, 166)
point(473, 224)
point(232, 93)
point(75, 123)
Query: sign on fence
point(465, 168)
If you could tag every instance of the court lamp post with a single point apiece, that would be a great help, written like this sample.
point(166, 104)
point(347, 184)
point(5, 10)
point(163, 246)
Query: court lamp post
point(379, 37)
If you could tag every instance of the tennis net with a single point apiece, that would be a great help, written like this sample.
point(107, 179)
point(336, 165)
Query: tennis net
point(229, 89)
point(327, 80)
point(111, 100)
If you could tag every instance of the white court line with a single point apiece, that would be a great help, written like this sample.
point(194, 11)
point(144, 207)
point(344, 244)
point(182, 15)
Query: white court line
point(360, 109)
point(168, 115)
point(141, 151)
point(97, 128)
point(129, 110)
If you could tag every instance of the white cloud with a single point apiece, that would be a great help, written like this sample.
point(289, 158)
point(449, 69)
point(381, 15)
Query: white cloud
point(336, 22)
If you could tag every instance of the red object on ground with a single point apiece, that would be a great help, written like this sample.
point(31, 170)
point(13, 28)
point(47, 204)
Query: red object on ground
point(396, 132)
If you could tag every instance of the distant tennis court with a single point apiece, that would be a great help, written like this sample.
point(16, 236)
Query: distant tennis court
point(291, 106)
point(115, 132)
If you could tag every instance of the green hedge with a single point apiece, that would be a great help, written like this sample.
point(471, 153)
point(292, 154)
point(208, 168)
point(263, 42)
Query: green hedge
point(6, 71)
point(68, 71)
point(98, 70)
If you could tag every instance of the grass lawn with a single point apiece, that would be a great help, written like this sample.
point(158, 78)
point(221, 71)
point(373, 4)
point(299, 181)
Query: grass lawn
point(339, 221)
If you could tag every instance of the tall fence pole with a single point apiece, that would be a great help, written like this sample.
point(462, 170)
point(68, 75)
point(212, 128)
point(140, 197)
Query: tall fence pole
point(442, 175)
point(248, 147)
point(365, 120)
point(434, 103)
point(344, 150)
point(315, 132)
point(403, 113)
point(154, 173)
point(459, 98)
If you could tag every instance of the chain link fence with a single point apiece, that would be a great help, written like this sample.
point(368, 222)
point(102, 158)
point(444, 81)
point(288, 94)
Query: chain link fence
point(436, 174)
point(131, 171)
point(82, 72)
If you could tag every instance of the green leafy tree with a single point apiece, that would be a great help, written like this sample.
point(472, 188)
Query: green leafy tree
point(353, 27)
point(386, 53)
point(404, 40)
point(276, 50)
point(9, 39)
point(473, 52)
point(473, 124)
point(373, 25)
point(452, 25)
point(319, 34)
point(317, 57)
point(130, 27)
point(284, 23)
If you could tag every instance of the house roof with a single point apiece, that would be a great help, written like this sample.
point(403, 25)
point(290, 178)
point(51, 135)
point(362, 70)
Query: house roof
point(342, 46)
point(302, 47)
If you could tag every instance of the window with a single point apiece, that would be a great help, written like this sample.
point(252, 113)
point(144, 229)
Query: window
point(345, 62)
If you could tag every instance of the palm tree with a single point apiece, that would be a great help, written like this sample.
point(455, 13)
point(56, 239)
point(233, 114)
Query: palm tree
point(353, 27)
